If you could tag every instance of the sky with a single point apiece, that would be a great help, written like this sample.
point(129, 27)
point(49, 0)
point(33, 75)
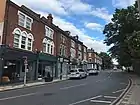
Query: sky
point(85, 18)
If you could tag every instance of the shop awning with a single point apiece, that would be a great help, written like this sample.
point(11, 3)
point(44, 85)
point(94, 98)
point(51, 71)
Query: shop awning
point(47, 57)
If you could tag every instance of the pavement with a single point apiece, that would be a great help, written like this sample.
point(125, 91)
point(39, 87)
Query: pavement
point(132, 97)
point(20, 86)
point(102, 89)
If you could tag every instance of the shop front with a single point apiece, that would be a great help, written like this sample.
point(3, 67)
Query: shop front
point(63, 67)
point(47, 65)
point(12, 64)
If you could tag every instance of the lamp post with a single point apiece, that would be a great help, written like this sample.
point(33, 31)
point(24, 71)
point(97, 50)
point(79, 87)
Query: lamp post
point(61, 63)
point(25, 72)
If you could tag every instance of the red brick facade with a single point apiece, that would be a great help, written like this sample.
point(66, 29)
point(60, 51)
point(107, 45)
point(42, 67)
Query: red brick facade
point(37, 30)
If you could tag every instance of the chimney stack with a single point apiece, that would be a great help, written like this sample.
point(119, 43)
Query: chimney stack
point(50, 18)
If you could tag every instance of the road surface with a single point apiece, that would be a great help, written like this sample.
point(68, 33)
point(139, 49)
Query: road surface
point(94, 90)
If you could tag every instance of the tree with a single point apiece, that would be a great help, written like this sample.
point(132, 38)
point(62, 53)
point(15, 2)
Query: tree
point(123, 34)
point(106, 60)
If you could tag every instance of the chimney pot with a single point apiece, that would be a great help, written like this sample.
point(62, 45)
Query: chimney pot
point(50, 18)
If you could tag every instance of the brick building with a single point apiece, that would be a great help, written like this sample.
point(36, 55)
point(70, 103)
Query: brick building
point(23, 33)
point(94, 61)
point(78, 53)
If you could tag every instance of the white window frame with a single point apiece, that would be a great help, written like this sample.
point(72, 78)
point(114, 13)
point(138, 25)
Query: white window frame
point(51, 43)
point(73, 52)
point(85, 49)
point(49, 34)
point(25, 21)
point(27, 36)
point(63, 50)
point(72, 43)
point(79, 47)
point(90, 54)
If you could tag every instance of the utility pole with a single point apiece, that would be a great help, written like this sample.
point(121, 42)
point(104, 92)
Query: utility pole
point(25, 72)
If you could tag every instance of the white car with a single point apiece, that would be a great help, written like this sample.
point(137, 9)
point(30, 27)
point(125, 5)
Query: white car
point(92, 72)
point(77, 73)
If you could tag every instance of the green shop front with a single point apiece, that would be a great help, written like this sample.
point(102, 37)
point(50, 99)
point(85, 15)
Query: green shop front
point(47, 63)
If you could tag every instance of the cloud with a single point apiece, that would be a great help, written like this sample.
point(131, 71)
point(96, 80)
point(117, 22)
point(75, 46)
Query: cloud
point(122, 3)
point(66, 7)
point(53, 6)
point(76, 6)
point(58, 7)
point(94, 26)
point(102, 13)
point(90, 42)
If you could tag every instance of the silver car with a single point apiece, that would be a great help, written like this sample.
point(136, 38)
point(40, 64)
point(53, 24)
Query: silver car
point(77, 73)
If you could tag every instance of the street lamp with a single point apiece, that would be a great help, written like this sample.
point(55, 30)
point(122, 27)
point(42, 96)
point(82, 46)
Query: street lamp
point(61, 62)
point(25, 72)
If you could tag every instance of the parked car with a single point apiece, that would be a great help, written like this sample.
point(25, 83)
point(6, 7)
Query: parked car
point(93, 72)
point(77, 73)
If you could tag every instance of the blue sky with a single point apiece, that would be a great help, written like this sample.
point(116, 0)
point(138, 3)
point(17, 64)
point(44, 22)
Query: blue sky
point(85, 18)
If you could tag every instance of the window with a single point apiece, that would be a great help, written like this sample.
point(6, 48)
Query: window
point(21, 19)
point(49, 32)
point(48, 46)
point(72, 44)
point(79, 47)
point(44, 47)
point(28, 23)
point(63, 50)
point(51, 49)
point(60, 49)
point(22, 40)
point(24, 20)
point(29, 46)
point(16, 40)
point(85, 50)
point(90, 60)
point(73, 52)
point(89, 54)
point(63, 39)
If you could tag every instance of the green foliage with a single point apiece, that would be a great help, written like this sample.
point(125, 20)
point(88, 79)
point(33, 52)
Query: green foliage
point(123, 33)
point(106, 60)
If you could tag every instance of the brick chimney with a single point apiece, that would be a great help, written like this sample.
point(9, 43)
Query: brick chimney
point(50, 18)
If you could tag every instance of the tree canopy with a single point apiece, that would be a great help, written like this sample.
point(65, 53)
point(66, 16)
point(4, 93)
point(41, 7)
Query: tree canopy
point(123, 34)
point(106, 60)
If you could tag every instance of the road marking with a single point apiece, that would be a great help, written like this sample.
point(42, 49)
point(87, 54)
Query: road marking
point(99, 101)
point(78, 102)
point(118, 91)
point(8, 98)
point(123, 83)
point(64, 88)
point(110, 97)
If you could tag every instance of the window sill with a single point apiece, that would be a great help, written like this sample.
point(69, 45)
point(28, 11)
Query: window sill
point(24, 27)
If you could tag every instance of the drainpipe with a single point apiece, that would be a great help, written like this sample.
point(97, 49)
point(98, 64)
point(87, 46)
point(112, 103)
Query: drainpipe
point(6, 22)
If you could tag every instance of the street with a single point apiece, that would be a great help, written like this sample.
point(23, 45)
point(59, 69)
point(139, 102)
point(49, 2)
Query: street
point(94, 90)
